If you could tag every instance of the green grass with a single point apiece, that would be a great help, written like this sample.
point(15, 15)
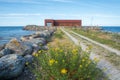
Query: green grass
point(59, 34)
point(94, 35)
point(65, 61)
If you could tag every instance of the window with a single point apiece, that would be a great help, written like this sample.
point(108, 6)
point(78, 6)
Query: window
point(49, 24)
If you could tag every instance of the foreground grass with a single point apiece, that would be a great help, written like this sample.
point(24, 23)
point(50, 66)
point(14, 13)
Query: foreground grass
point(110, 56)
point(65, 61)
point(112, 40)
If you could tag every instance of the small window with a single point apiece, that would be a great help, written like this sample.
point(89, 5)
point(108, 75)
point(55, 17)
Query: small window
point(49, 24)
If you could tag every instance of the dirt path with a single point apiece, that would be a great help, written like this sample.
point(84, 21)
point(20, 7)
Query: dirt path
point(106, 66)
point(102, 45)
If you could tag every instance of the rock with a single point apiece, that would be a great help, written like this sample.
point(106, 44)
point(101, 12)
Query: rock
point(19, 47)
point(45, 47)
point(27, 74)
point(38, 41)
point(25, 38)
point(44, 34)
point(28, 58)
point(5, 51)
point(2, 47)
point(11, 66)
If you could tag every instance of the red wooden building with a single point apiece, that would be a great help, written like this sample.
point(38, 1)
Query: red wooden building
point(51, 22)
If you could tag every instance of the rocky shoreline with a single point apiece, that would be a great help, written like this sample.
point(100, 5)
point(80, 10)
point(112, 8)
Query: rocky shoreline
point(16, 53)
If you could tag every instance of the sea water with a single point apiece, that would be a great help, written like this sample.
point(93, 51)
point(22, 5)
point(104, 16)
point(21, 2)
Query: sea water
point(115, 29)
point(9, 32)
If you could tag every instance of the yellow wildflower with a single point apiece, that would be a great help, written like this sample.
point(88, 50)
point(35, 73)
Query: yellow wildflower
point(63, 71)
point(39, 51)
point(56, 49)
point(51, 61)
point(26, 63)
point(61, 50)
point(75, 51)
point(89, 61)
point(63, 61)
point(80, 66)
point(83, 60)
point(56, 62)
point(96, 59)
point(35, 54)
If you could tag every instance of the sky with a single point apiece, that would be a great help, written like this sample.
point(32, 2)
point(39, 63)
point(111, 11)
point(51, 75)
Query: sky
point(28, 12)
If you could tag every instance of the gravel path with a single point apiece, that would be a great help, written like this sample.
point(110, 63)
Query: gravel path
point(102, 45)
point(103, 64)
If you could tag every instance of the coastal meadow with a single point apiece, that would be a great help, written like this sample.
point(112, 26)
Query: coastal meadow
point(65, 61)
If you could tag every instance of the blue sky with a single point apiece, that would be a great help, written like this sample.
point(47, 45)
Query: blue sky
point(91, 12)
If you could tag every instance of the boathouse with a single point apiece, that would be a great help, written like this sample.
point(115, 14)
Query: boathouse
point(51, 22)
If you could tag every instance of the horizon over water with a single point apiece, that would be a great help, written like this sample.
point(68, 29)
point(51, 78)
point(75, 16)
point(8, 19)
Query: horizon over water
point(115, 29)
point(9, 32)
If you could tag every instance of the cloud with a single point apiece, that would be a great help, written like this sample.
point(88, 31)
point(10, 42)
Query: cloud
point(20, 14)
point(62, 0)
point(106, 16)
point(23, 1)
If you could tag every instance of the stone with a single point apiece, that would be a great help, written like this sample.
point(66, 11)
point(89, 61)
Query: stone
point(28, 58)
point(11, 66)
point(5, 51)
point(45, 47)
point(38, 41)
point(2, 47)
point(25, 38)
point(19, 47)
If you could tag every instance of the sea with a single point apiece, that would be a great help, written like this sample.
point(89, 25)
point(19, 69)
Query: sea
point(9, 32)
point(114, 29)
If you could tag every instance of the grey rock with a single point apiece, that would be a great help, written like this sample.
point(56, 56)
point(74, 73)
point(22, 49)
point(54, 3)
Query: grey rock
point(25, 38)
point(5, 51)
point(11, 66)
point(28, 58)
point(19, 47)
point(2, 47)
point(38, 41)
point(45, 47)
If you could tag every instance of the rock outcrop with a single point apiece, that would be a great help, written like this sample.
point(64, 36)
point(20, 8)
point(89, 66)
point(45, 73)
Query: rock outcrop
point(17, 53)
point(11, 66)
point(19, 47)
point(5, 51)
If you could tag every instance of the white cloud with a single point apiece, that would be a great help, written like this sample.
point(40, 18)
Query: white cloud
point(19, 14)
point(62, 0)
point(23, 1)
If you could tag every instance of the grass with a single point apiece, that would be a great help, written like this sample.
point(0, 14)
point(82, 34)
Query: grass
point(65, 61)
point(110, 56)
point(102, 37)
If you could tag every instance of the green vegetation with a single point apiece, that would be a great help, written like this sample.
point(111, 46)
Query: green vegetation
point(59, 34)
point(65, 61)
point(102, 37)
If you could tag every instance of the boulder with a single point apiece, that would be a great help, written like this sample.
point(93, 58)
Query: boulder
point(2, 47)
point(19, 47)
point(45, 47)
point(28, 58)
point(44, 34)
point(5, 51)
point(38, 41)
point(25, 38)
point(11, 66)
